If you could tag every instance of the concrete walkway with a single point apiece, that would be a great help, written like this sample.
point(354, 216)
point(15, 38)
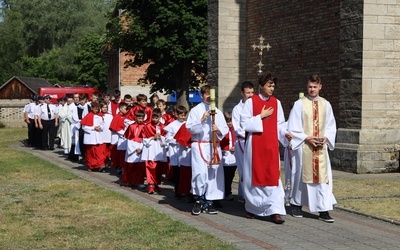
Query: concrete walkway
point(350, 230)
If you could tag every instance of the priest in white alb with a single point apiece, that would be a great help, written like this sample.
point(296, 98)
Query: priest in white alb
point(313, 126)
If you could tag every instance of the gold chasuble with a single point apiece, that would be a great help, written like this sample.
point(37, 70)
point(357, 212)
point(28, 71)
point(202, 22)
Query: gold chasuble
point(314, 159)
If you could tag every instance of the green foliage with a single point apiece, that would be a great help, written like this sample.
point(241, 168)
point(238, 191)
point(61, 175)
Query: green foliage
point(40, 38)
point(171, 34)
point(93, 69)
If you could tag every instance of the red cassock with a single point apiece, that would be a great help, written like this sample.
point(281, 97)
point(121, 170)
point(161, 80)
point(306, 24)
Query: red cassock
point(117, 156)
point(94, 153)
point(168, 118)
point(153, 168)
point(135, 171)
point(184, 138)
point(114, 106)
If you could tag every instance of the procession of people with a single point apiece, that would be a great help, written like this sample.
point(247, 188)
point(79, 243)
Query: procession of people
point(200, 150)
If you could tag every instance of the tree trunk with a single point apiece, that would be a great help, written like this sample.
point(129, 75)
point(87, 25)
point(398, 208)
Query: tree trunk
point(183, 92)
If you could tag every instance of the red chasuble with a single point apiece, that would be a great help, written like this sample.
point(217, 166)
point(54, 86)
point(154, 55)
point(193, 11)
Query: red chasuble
point(265, 146)
point(183, 136)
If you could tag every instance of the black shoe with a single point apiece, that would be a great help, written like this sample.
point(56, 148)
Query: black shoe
point(324, 216)
point(277, 219)
point(102, 169)
point(217, 204)
point(296, 211)
point(250, 215)
point(196, 210)
point(209, 209)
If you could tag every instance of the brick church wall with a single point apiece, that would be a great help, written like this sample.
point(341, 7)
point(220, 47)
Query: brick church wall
point(306, 38)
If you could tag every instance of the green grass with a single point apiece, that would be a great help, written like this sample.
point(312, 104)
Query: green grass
point(45, 207)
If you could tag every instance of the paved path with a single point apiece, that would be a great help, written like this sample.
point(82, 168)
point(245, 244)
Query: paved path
point(350, 230)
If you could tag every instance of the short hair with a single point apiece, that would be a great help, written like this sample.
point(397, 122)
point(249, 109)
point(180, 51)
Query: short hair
point(160, 101)
point(122, 105)
point(266, 77)
point(181, 110)
point(116, 92)
point(153, 96)
point(95, 94)
point(127, 96)
point(156, 113)
point(95, 105)
point(141, 97)
point(314, 78)
point(205, 88)
point(247, 85)
point(82, 97)
point(228, 116)
point(103, 103)
point(140, 113)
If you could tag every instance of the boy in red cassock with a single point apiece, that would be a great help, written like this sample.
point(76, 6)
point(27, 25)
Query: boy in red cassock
point(141, 105)
point(118, 128)
point(135, 167)
point(154, 151)
point(93, 125)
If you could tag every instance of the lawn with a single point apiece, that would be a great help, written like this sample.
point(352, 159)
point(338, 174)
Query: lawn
point(45, 207)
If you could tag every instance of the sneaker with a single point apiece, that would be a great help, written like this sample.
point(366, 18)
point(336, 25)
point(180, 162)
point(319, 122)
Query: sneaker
point(229, 197)
point(102, 169)
point(209, 209)
point(296, 211)
point(196, 210)
point(324, 216)
point(150, 189)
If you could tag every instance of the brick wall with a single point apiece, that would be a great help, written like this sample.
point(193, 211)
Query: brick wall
point(130, 75)
point(304, 36)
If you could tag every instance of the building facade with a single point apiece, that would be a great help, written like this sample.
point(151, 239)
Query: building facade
point(353, 45)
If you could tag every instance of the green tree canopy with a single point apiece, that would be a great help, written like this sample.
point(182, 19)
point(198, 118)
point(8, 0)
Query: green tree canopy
point(170, 34)
point(41, 38)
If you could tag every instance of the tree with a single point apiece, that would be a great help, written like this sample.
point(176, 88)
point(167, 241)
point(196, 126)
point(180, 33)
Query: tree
point(93, 70)
point(170, 34)
point(40, 38)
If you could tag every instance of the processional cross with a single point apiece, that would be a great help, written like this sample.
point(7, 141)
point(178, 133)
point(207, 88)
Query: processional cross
point(261, 46)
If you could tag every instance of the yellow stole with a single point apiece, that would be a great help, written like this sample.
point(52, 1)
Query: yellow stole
point(314, 159)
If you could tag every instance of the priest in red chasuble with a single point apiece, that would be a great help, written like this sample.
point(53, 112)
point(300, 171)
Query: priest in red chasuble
point(263, 120)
